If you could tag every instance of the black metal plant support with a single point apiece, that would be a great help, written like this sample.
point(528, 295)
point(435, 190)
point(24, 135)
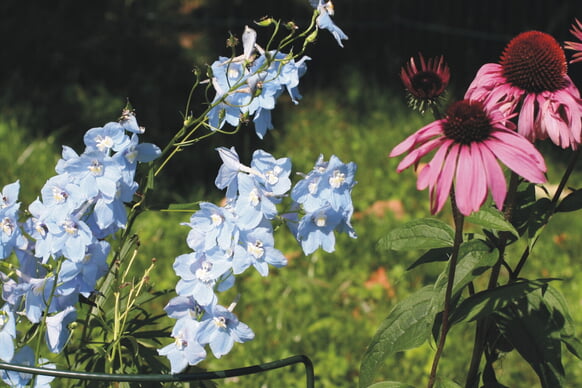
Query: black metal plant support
point(201, 376)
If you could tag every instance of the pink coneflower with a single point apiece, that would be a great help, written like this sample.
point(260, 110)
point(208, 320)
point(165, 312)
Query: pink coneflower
point(468, 143)
point(425, 83)
point(532, 77)
point(576, 30)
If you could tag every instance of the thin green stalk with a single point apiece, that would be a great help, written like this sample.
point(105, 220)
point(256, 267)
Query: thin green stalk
point(459, 221)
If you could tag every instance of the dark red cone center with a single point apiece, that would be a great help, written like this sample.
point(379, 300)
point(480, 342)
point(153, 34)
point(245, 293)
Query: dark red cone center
point(534, 62)
point(467, 122)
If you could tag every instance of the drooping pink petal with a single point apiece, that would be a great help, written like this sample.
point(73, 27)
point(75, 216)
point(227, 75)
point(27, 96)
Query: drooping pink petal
point(522, 146)
point(518, 157)
point(467, 192)
point(495, 177)
point(430, 172)
point(526, 120)
point(444, 181)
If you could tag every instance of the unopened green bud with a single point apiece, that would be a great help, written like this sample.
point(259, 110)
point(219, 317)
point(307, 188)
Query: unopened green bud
point(265, 21)
point(291, 25)
point(232, 41)
point(310, 38)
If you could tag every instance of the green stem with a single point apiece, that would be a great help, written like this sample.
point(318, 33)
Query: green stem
point(483, 326)
point(459, 221)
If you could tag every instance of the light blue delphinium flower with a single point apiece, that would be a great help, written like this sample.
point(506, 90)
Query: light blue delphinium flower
point(216, 224)
point(9, 195)
point(256, 248)
point(274, 174)
point(57, 332)
point(252, 203)
point(185, 350)
point(316, 230)
point(60, 191)
point(129, 122)
point(7, 333)
point(71, 237)
point(324, 21)
point(9, 229)
point(110, 137)
point(200, 275)
point(183, 307)
point(226, 75)
point(220, 328)
point(80, 277)
point(94, 170)
point(328, 183)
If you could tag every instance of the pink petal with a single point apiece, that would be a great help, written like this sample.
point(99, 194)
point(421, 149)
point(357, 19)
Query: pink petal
point(418, 137)
point(526, 121)
point(470, 183)
point(444, 182)
point(495, 177)
point(518, 157)
point(430, 172)
point(415, 155)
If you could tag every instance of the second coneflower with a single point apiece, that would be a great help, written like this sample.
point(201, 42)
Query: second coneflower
point(469, 143)
point(532, 76)
point(426, 82)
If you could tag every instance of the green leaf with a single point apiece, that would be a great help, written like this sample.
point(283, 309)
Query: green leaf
point(433, 255)
point(390, 384)
point(571, 202)
point(475, 257)
point(485, 303)
point(424, 233)
point(491, 218)
point(407, 326)
point(533, 328)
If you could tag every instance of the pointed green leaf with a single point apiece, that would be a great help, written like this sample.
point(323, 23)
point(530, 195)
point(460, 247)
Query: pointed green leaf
point(485, 303)
point(424, 233)
point(433, 255)
point(491, 218)
point(407, 326)
point(475, 257)
point(533, 329)
point(571, 202)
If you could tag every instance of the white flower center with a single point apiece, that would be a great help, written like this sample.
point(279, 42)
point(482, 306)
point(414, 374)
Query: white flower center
point(104, 143)
point(256, 249)
point(7, 226)
point(96, 168)
point(203, 273)
point(70, 227)
point(254, 197)
point(273, 175)
point(220, 322)
point(337, 179)
point(59, 195)
point(216, 219)
point(320, 220)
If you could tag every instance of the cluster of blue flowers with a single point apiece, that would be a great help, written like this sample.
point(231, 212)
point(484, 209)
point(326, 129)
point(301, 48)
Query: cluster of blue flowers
point(61, 244)
point(61, 248)
point(248, 85)
point(228, 239)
